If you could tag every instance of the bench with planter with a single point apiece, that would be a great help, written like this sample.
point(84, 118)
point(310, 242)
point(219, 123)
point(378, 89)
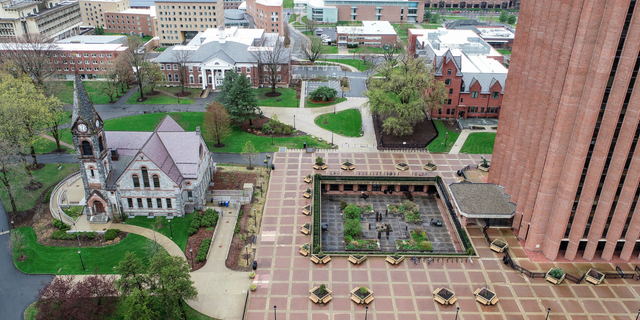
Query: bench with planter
point(304, 249)
point(307, 193)
point(320, 294)
point(430, 166)
point(320, 258)
point(319, 165)
point(362, 295)
point(555, 276)
point(498, 245)
point(402, 166)
point(594, 276)
point(395, 259)
point(444, 296)
point(305, 228)
point(484, 165)
point(306, 210)
point(357, 259)
point(486, 296)
point(308, 179)
point(347, 166)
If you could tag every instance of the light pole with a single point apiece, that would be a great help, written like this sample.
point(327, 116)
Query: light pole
point(638, 315)
point(79, 254)
point(294, 122)
point(170, 229)
point(548, 310)
point(255, 217)
point(446, 135)
point(191, 252)
point(457, 310)
point(275, 314)
point(366, 311)
point(260, 188)
point(246, 251)
point(12, 226)
point(272, 138)
point(77, 235)
point(331, 137)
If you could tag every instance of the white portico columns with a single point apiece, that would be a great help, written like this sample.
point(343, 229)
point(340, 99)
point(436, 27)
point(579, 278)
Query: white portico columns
point(204, 78)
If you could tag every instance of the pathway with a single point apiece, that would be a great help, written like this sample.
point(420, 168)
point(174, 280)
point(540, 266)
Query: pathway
point(464, 134)
point(304, 120)
point(221, 292)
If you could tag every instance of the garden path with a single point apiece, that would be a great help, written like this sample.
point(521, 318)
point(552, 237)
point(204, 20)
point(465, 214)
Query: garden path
point(463, 137)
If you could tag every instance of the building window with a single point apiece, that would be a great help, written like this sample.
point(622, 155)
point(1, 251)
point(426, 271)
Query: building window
point(449, 101)
point(136, 181)
point(86, 148)
point(130, 202)
point(447, 82)
point(145, 177)
point(495, 95)
point(189, 195)
point(169, 203)
point(91, 173)
point(449, 72)
point(450, 91)
point(140, 203)
point(376, 187)
point(156, 181)
point(149, 203)
point(159, 203)
point(474, 94)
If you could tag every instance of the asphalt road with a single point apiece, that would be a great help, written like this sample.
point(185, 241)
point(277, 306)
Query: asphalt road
point(17, 290)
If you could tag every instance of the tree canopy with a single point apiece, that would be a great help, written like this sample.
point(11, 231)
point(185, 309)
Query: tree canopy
point(237, 96)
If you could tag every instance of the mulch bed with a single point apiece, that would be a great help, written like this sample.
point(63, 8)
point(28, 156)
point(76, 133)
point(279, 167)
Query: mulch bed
point(488, 295)
point(25, 218)
point(320, 101)
point(424, 132)
point(258, 123)
point(237, 244)
point(317, 294)
point(445, 293)
point(232, 180)
point(194, 242)
point(360, 295)
point(273, 94)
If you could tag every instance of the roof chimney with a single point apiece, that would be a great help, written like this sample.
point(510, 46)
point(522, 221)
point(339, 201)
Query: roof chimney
point(222, 37)
point(198, 131)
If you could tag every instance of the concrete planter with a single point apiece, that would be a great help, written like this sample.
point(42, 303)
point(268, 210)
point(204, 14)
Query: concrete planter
point(553, 280)
point(305, 228)
point(304, 249)
point(320, 260)
point(320, 166)
point(316, 297)
point(430, 166)
point(394, 261)
point(498, 245)
point(357, 259)
point(359, 298)
point(594, 276)
point(402, 166)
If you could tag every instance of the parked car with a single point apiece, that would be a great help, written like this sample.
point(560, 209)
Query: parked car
point(436, 223)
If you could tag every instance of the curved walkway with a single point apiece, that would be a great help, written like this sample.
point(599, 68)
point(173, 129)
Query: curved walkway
point(168, 244)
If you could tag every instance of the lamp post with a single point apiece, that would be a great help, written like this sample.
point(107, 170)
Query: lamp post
point(331, 137)
point(260, 188)
point(457, 310)
point(548, 311)
point(255, 218)
point(170, 229)
point(275, 314)
point(294, 122)
point(12, 226)
point(271, 137)
point(366, 311)
point(80, 255)
point(191, 252)
point(246, 251)
point(77, 235)
point(638, 315)
point(446, 135)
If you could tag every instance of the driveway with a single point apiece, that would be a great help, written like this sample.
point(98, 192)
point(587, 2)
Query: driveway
point(357, 80)
point(17, 290)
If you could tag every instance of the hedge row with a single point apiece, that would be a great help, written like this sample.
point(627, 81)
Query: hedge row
point(63, 235)
point(61, 225)
point(203, 250)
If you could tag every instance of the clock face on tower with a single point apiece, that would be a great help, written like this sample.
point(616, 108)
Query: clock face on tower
point(82, 127)
point(97, 124)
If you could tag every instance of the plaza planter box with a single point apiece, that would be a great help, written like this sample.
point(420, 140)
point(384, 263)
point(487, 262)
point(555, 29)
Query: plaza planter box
point(486, 296)
point(364, 245)
point(430, 166)
point(481, 167)
point(594, 276)
point(320, 260)
point(359, 298)
point(498, 245)
point(393, 260)
point(306, 195)
point(347, 166)
point(305, 228)
point(308, 179)
point(306, 210)
point(320, 166)
point(402, 166)
point(553, 280)
point(444, 296)
point(304, 249)
point(316, 297)
point(357, 259)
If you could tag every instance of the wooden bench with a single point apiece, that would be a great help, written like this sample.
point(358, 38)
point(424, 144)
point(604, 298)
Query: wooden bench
point(439, 300)
point(494, 300)
point(304, 230)
point(313, 298)
point(326, 259)
point(592, 280)
point(353, 260)
point(306, 195)
point(306, 212)
point(304, 252)
point(355, 299)
point(327, 299)
point(390, 260)
point(482, 300)
point(453, 300)
point(436, 291)
point(368, 300)
point(314, 259)
point(475, 293)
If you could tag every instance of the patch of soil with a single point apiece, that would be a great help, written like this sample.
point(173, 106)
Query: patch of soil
point(320, 101)
point(424, 132)
point(33, 186)
point(233, 180)
point(273, 94)
point(154, 93)
point(183, 94)
point(25, 218)
point(452, 125)
point(317, 294)
point(360, 295)
point(219, 145)
point(445, 294)
point(22, 258)
point(258, 123)
point(194, 242)
point(38, 167)
point(237, 244)
point(58, 151)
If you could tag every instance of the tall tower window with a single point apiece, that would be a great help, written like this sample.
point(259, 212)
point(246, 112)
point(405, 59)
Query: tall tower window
point(136, 181)
point(101, 143)
point(145, 177)
point(156, 181)
point(86, 148)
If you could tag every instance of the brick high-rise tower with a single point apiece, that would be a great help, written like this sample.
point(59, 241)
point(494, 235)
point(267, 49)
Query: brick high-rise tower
point(566, 149)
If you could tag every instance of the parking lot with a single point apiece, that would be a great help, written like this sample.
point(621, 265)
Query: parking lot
point(312, 85)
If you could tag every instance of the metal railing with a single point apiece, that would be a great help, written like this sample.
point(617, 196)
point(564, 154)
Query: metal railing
point(454, 219)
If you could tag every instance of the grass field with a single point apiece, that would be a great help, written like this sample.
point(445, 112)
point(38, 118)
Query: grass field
point(288, 98)
point(431, 25)
point(330, 50)
point(310, 104)
point(504, 51)
point(347, 122)
point(49, 175)
point(160, 49)
point(93, 89)
point(287, 4)
point(370, 50)
point(293, 18)
point(180, 227)
point(479, 143)
point(357, 63)
point(438, 145)
point(189, 120)
point(65, 260)
point(402, 30)
point(158, 99)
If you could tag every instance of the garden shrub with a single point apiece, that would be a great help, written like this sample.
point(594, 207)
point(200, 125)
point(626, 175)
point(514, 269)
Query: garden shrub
point(316, 250)
point(62, 235)
point(322, 290)
point(286, 131)
point(210, 218)
point(352, 211)
point(323, 93)
point(195, 224)
point(47, 196)
point(111, 234)
point(203, 250)
point(426, 245)
point(364, 291)
point(61, 225)
point(266, 128)
point(277, 131)
point(556, 273)
point(319, 161)
point(343, 204)
point(352, 228)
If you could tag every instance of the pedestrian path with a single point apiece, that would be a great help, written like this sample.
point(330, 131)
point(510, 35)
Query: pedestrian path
point(462, 138)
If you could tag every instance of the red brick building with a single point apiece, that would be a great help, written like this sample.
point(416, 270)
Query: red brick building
point(136, 21)
point(267, 15)
point(566, 149)
point(473, 4)
point(470, 68)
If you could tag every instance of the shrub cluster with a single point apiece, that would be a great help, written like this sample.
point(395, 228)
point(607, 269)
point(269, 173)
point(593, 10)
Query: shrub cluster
point(276, 127)
point(352, 45)
point(323, 93)
point(352, 211)
point(203, 250)
point(63, 235)
point(195, 224)
point(210, 218)
point(111, 234)
point(61, 225)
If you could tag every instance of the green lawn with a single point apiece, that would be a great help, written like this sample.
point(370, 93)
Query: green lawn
point(357, 63)
point(74, 211)
point(370, 50)
point(349, 23)
point(479, 143)
point(310, 104)
point(194, 92)
point(93, 89)
point(293, 17)
point(330, 50)
point(287, 97)
point(431, 25)
point(504, 51)
point(347, 122)
point(189, 120)
point(160, 49)
point(287, 4)
point(180, 227)
point(65, 260)
point(158, 99)
point(438, 145)
point(49, 175)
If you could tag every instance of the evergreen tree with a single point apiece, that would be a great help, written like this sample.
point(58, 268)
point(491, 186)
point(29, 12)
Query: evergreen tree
point(139, 306)
point(237, 97)
point(512, 19)
point(504, 16)
point(171, 282)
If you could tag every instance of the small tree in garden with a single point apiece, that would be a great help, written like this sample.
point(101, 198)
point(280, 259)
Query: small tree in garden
point(512, 19)
point(364, 291)
point(217, 123)
point(319, 161)
point(249, 153)
point(238, 98)
point(504, 16)
point(132, 274)
point(322, 290)
point(352, 211)
point(323, 93)
point(352, 227)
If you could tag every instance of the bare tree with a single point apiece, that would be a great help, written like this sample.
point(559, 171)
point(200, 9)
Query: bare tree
point(155, 76)
point(390, 52)
point(12, 172)
point(31, 55)
point(123, 70)
point(182, 56)
point(53, 121)
point(314, 49)
point(217, 123)
point(273, 63)
point(137, 55)
point(310, 25)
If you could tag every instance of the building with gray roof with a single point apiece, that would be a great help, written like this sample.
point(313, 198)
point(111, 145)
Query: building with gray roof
point(483, 201)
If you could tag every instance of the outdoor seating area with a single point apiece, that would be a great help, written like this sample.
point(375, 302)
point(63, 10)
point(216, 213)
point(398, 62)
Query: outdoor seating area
point(362, 295)
point(444, 296)
point(486, 296)
point(594, 277)
point(320, 295)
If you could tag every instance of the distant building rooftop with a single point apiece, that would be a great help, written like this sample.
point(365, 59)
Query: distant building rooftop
point(482, 200)
point(491, 32)
point(369, 27)
point(274, 3)
point(151, 11)
point(94, 40)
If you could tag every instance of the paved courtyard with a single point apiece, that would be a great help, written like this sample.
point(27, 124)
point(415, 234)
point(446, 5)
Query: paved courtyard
point(332, 239)
point(403, 292)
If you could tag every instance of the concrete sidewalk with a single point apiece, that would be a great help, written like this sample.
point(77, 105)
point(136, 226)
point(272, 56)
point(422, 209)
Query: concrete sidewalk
point(464, 134)
point(304, 120)
point(221, 292)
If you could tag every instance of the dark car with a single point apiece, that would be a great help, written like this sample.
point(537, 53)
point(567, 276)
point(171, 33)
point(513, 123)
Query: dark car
point(436, 223)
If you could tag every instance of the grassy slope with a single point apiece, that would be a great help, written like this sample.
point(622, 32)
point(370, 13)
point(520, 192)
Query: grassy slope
point(357, 63)
point(49, 175)
point(348, 122)
point(93, 89)
point(45, 259)
point(437, 145)
point(158, 99)
point(288, 98)
point(180, 227)
point(479, 143)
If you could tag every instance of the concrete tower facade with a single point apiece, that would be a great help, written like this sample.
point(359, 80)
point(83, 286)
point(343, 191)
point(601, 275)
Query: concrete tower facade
point(566, 149)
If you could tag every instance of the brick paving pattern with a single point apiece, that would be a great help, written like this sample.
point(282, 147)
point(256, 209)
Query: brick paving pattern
point(403, 292)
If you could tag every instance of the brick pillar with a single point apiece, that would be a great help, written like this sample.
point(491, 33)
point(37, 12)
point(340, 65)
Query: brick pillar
point(463, 221)
point(369, 187)
point(341, 188)
point(327, 187)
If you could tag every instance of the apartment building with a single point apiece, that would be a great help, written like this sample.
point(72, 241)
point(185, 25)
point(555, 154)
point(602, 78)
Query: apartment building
point(267, 14)
point(50, 18)
point(180, 21)
point(373, 34)
point(93, 11)
point(231, 4)
point(137, 21)
point(470, 68)
point(473, 4)
point(331, 11)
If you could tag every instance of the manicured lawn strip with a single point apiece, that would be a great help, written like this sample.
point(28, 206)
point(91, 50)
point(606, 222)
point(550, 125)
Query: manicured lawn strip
point(357, 63)
point(158, 99)
point(431, 25)
point(73, 211)
point(49, 175)
point(310, 104)
point(160, 49)
point(479, 143)
point(287, 4)
point(347, 122)
point(30, 313)
point(293, 18)
point(180, 227)
point(142, 122)
point(371, 50)
point(331, 50)
point(287, 97)
point(93, 89)
point(195, 92)
point(45, 259)
point(504, 51)
point(437, 145)
point(43, 145)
